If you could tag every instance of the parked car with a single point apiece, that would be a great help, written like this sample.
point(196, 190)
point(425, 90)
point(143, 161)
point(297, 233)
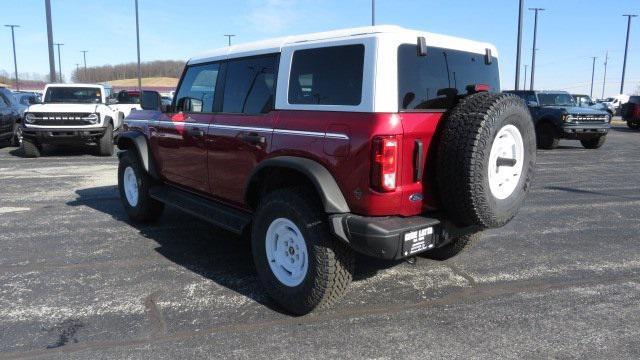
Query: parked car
point(27, 98)
point(167, 100)
point(323, 145)
point(586, 101)
point(126, 101)
point(556, 117)
point(10, 117)
point(631, 112)
point(71, 114)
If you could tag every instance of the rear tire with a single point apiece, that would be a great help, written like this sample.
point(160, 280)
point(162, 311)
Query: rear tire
point(288, 223)
point(633, 125)
point(594, 142)
point(105, 145)
point(546, 136)
point(485, 161)
point(133, 186)
point(455, 247)
point(30, 149)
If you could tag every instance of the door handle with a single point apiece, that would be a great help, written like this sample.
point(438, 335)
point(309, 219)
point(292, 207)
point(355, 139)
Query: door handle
point(196, 132)
point(253, 138)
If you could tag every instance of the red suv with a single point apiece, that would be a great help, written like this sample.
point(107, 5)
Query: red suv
point(380, 140)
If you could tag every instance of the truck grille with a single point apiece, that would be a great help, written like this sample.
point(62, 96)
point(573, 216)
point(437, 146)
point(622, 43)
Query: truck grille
point(590, 118)
point(60, 119)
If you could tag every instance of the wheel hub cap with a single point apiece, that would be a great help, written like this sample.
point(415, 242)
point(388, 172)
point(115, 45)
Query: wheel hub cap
point(286, 252)
point(506, 161)
point(130, 183)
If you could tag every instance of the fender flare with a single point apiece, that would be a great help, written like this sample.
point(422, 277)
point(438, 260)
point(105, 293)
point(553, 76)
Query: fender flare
point(138, 140)
point(325, 184)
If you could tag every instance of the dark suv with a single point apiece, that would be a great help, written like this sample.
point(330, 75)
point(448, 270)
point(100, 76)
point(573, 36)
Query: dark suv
point(557, 116)
point(318, 147)
point(631, 112)
point(11, 114)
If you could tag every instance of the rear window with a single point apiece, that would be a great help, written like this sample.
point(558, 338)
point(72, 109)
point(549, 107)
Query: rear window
point(437, 81)
point(327, 76)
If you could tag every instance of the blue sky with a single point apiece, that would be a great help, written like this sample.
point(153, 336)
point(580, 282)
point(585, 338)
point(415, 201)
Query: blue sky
point(570, 31)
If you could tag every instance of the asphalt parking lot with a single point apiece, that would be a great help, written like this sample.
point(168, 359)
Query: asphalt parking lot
point(78, 281)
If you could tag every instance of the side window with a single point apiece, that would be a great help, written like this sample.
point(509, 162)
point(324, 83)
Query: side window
point(198, 87)
point(327, 76)
point(250, 85)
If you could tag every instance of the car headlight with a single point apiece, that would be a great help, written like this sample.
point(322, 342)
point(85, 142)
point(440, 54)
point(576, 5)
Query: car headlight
point(568, 118)
point(93, 118)
point(30, 118)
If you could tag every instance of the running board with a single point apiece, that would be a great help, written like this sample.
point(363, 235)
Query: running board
point(211, 211)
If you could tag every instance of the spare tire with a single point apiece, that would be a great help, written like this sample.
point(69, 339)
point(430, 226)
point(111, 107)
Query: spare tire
point(485, 160)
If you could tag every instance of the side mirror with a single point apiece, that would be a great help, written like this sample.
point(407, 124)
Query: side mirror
point(151, 100)
point(532, 104)
point(184, 104)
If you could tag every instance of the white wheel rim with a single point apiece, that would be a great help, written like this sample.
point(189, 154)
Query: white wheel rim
point(286, 252)
point(131, 186)
point(506, 161)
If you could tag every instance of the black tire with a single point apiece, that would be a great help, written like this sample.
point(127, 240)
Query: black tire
point(458, 245)
point(633, 125)
point(105, 145)
point(547, 136)
point(146, 208)
point(30, 149)
point(593, 142)
point(16, 139)
point(468, 133)
point(330, 263)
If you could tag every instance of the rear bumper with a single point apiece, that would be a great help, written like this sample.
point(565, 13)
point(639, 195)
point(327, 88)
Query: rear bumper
point(63, 135)
point(394, 237)
point(571, 130)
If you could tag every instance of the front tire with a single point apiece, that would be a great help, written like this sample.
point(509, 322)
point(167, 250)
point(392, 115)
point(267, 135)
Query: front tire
point(133, 186)
point(105, 145)
point(30, 148)
point(593, 142)
point(546, 136)
point(300, 264)
point(633, 125)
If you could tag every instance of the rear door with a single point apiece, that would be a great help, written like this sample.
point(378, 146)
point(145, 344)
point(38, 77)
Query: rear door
point(242, 130)
point(6, 116)
point(180, 139)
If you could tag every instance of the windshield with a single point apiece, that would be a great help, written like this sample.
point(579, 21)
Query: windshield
point(80, 95)
point(128, 97)
point(555, 99)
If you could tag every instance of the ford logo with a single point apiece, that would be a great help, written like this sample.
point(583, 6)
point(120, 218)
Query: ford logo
point(416, 197)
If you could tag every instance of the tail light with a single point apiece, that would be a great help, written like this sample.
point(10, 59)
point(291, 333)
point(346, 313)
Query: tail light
point(384, 169)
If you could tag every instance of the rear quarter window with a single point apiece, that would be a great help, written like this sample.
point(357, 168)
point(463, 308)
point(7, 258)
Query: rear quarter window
point(327, 76)
point(437, 80)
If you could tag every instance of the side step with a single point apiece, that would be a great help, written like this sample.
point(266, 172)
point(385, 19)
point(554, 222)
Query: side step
point(211, 211)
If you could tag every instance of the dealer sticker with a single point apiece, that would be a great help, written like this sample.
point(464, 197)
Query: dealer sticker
point(417, 241)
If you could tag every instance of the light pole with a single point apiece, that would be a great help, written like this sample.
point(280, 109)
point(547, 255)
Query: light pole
point(138, 43)
point(84, 55)
point(229, 36)
point(52, 61)
point(373, 12)
point(593, 72)
point(604, 79)
point(524, 86)
point(626, 49)
point(519, 46)
point(59, 62)
point(533, 55)
point(77, 70)
point(15, 62)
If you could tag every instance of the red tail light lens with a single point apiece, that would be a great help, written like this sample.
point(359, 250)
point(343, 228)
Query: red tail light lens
point(384, 168)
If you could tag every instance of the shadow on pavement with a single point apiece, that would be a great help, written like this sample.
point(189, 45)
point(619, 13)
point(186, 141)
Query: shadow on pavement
point(209, 251)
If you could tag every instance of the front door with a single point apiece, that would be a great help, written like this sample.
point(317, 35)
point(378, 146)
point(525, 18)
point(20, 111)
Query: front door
point(180, 138)
point(241, 133)
point(6, 117)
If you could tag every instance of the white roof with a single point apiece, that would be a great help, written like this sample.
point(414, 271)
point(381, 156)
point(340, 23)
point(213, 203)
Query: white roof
point(275, 45)
point(74, 85)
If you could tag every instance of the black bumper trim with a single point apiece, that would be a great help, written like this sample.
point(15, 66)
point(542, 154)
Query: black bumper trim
point(63, 135)
point(383, 237)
